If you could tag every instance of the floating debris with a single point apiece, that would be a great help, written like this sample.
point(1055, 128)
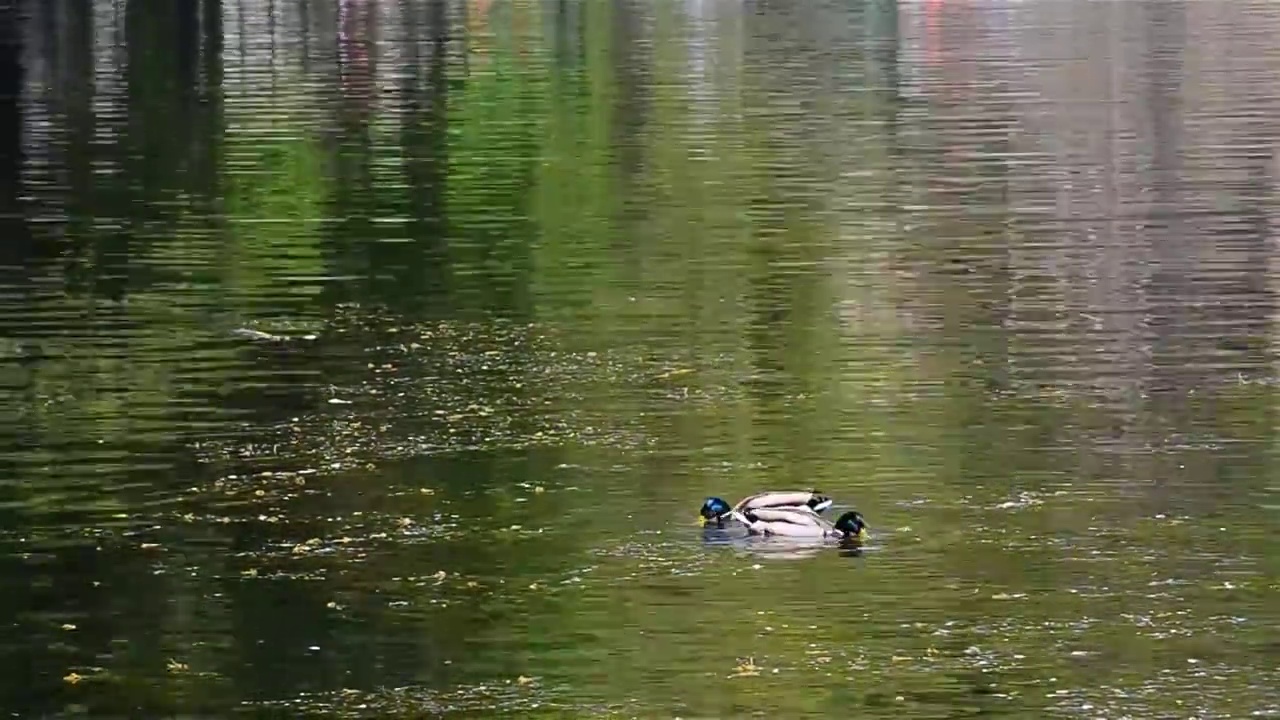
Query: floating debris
point(745, 668)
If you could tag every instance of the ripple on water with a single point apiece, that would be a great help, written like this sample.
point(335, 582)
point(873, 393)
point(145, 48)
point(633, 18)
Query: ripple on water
point(523, 695)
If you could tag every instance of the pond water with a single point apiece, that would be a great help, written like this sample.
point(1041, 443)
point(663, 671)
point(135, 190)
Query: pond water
point(372, 359)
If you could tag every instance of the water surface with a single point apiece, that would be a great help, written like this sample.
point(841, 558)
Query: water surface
point(371, 359)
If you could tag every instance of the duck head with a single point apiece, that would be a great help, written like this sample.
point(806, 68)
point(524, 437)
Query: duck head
point(714, 509)
point(853, 525)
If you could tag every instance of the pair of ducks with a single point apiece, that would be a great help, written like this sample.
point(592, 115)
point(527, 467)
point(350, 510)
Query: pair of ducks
point(787, 514)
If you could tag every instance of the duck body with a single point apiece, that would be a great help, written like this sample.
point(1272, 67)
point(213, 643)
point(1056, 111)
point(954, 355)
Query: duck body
point(802, 522)
point(804, 501)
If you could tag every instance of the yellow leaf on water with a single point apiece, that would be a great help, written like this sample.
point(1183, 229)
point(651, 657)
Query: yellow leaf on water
point(72, 678)
point(523, 680)
point(674, 373)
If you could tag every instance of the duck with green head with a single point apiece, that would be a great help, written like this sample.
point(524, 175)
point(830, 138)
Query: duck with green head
point(799, 523)
point(717, 511)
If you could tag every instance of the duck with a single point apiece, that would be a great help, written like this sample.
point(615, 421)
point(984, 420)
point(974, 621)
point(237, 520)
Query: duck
point(802, 523)
point(716, 510)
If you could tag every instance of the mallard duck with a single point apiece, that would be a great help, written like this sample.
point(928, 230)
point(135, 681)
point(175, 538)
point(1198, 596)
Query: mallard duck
point(717, 510)
point(802, 523)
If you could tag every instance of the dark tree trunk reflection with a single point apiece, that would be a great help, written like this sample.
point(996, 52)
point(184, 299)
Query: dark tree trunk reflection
point(12, 77)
